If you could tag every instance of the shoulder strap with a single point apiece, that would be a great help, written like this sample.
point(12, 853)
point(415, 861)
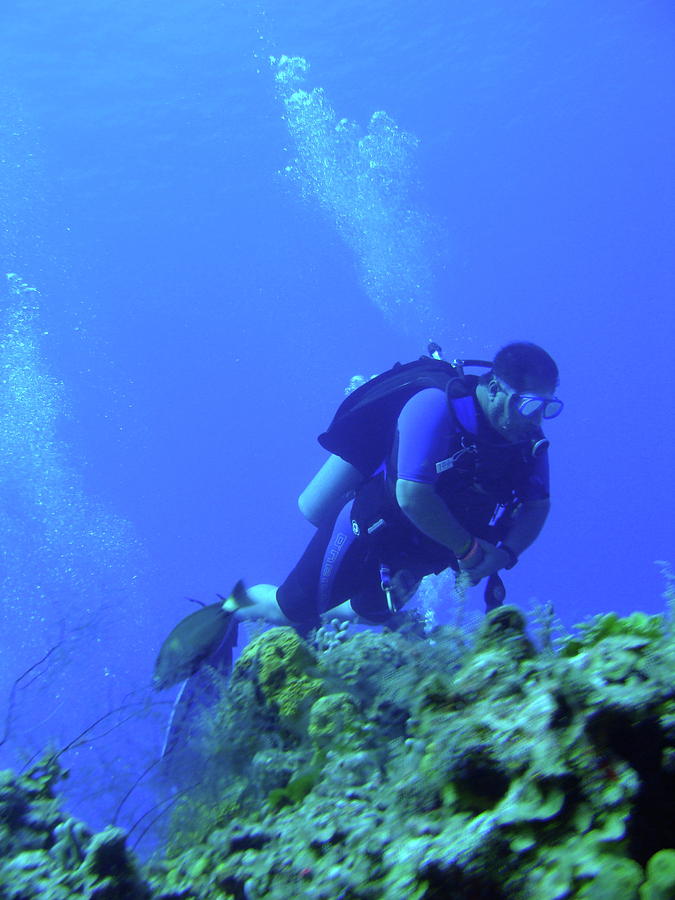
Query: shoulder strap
point(460, 394)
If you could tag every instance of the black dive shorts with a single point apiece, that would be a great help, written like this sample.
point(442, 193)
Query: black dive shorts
point(339, 565)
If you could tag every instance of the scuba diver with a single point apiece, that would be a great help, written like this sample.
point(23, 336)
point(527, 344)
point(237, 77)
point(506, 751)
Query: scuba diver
point(430, 469)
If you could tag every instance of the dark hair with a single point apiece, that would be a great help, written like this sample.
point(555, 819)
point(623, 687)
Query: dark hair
point(522, 365)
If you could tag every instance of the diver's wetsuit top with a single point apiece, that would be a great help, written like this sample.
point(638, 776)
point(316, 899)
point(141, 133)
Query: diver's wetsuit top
point(425, 429)
point(480, 476)
point(429, 434)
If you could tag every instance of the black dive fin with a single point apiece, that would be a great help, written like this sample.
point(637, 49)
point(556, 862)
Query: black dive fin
point(495, 593)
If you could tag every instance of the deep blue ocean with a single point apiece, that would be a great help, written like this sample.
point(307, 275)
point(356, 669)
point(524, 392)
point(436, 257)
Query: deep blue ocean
point(202, 261)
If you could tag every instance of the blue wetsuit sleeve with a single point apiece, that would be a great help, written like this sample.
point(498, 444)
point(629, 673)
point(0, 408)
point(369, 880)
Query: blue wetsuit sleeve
point(424, 431)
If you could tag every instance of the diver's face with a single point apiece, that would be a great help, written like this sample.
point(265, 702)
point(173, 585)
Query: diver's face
point(517, 415)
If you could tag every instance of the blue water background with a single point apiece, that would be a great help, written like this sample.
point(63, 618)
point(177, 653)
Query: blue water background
point(198, 317)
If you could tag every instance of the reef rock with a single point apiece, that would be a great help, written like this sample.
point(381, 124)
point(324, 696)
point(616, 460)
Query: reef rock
point(390, 765)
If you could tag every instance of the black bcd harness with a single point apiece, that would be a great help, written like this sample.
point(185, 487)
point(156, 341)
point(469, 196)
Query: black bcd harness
point(364, 426)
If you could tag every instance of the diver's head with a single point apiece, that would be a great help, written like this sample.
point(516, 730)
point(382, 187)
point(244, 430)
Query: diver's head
point(519, 391)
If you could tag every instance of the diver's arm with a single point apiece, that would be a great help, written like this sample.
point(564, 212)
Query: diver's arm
point(425, 509)
point(428, 513)
point(526, 524)
point(425, 430)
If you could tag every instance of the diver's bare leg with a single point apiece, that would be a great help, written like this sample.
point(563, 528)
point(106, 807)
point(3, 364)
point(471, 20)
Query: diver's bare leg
point(263, 605)
point(343, 612)
point(329, 490)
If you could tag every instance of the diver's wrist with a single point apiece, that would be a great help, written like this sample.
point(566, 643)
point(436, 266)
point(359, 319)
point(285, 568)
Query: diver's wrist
point(461, 551)
point(472, 556)
point(510, 552)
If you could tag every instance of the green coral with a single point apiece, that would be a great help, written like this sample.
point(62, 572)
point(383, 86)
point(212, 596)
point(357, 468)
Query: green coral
point(28, 805)
point(195, 816)
point(393, 765)
point(295, 791)
point(525, 745)
point(584, 868)
point(660, 883)
point(335, 723)
point(618, 878)
point(622, 659)
point(283, 666)
point(48, 854)
point(633, 631)
point(505, 629)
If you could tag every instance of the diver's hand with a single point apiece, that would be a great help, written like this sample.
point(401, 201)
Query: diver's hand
point(492, 560)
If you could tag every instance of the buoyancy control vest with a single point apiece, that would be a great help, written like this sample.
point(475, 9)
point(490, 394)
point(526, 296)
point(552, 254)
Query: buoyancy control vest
point(364, 426)
point(363, 432)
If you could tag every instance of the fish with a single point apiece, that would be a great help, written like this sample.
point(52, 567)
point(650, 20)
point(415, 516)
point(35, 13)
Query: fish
point(197, 695)
point(195, 638)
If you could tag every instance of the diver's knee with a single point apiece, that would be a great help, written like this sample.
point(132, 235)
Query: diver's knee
point(309, 509)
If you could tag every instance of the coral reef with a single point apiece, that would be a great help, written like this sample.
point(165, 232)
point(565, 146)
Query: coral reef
point(44, 853)
point(401, 764)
